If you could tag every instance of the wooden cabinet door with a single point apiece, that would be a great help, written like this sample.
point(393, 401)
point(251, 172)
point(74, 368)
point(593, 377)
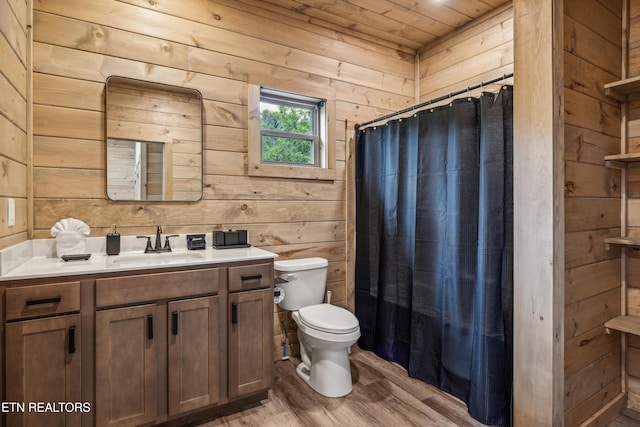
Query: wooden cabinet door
point(250, 320)
point(43, 365)
point(126, 366)
point(193, 365)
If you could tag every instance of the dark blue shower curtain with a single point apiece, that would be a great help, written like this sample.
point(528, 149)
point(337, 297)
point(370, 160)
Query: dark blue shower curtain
point(434, 208)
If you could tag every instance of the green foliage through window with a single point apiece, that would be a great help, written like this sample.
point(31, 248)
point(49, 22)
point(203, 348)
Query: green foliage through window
point(287, 133)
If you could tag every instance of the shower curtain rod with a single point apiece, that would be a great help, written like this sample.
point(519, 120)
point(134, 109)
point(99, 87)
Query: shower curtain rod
point(433, 101)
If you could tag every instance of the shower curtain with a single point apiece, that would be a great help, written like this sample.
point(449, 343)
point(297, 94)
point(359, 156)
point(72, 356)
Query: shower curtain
point(434, 208)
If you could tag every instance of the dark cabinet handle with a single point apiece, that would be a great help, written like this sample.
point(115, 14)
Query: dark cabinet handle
point(256, 277)
point(44, 300)
point(234, 313)
point(174, 323)
point(72, 339)
point(150, 327)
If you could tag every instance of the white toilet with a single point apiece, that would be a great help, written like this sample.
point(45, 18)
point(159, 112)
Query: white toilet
point(325, 332)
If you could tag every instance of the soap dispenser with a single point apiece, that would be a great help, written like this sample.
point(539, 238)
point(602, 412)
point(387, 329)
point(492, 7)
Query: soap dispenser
point(113, 241)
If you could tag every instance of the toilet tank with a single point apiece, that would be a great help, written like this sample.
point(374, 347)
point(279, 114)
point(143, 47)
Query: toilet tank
point(305, 281)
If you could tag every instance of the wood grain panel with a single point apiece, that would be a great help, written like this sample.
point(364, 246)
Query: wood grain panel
point(634, 394)
point(68, 123)
point(587, 213)
point(101, 212)
point(240, 187)
point(14, 141)
point(462, 59)
point(81, 65)
point(586, 180)
point(587, 247)
point(13, 66)
point(225, 114)
point(633, 269)
point(55, 152)
point(633, 212)
point(227, 14)
point(59, 183)
point(497, 32)
point(225, 163)
point(586, 348)
point(587, 146)
point(603, 21)
point(633, 301)
point(225, 138)
point(13, 27)
point(154, 47)
point(578, 414)
point(92, 66)
point(12, 105)
point(68, 92)
point(589, 381)
point(587, 78)
point(16, 183)
point(589, 313)
point(582, 40)
point(592, 210)
point(591, 279)
point(585, 112)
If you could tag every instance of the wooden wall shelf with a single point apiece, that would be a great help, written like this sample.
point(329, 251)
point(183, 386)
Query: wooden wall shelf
point(620, 161)
point(622, 241)
point(623, 90)
point(628, 324)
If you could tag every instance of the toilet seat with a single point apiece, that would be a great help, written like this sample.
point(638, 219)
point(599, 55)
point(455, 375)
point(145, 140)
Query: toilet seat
point(328, 318)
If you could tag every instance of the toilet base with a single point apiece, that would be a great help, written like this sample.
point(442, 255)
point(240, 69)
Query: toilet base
point(329, 374)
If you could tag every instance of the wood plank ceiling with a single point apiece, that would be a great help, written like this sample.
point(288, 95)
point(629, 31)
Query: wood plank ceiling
point(409, 24)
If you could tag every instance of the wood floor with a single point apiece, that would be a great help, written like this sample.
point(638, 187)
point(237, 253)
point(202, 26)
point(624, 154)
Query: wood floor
point(627, 419)
point(382, 395)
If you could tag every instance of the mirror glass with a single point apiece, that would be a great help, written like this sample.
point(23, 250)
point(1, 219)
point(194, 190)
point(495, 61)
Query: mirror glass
point(154, 141)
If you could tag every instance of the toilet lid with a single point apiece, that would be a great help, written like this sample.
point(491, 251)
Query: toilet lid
point(328, 318)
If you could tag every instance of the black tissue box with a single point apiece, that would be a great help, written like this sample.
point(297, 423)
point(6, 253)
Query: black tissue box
point(196, 241)
point(230, 239)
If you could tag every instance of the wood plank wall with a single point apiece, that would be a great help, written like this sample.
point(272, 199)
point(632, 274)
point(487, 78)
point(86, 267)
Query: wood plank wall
point(592, 57)
point(633, 211)
point(216, 47)
point(480, 51)
point(13, 118)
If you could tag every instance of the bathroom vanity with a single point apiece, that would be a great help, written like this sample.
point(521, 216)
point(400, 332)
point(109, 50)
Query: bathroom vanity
point(137, 342)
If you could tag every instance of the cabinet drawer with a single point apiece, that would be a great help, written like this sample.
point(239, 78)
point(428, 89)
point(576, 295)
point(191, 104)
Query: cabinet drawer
point(250, 277)
point(42, 300)
point(157, 286)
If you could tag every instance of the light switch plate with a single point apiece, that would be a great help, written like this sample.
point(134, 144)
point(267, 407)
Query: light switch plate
point(11, 212)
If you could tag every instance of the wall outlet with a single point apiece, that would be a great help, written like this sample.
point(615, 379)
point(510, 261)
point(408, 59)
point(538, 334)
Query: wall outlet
point(11, 212)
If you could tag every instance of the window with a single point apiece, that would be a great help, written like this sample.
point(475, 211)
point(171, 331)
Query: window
point(290, 128)
point(289, 135)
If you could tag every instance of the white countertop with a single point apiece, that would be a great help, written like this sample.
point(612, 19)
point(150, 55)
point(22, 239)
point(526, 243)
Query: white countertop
point(34, 259)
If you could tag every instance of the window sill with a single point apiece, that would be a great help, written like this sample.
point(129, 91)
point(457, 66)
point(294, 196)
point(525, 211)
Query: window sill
point(291, 171)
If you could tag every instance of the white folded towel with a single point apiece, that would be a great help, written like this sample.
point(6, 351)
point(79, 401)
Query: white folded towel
point(70, 236)
point(70, 224)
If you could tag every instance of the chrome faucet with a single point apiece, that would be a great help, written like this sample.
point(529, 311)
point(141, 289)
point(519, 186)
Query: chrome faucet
point(158, 248)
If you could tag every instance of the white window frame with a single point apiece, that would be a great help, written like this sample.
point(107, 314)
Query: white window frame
point(323, 167)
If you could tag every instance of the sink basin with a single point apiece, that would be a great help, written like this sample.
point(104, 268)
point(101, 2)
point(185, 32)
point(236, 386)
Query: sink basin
point(158, 258)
